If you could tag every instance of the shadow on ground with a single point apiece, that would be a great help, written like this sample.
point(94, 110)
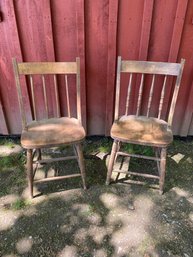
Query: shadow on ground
point(122, 219)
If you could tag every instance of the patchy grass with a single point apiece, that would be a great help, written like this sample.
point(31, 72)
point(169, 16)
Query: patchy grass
point(19, 204)
point(121, 220)
point(7, 142)
point(12, 175)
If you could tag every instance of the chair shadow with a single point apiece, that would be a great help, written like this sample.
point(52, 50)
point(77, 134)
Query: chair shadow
point(95, 175)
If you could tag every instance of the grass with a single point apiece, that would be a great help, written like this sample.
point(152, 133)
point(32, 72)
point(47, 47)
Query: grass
point(13, 166)
point(12, 161)
point(138, 149)
point(104, 144)
point(12, 175)
point(9, 142)
point(19, 204)
point(68, 216)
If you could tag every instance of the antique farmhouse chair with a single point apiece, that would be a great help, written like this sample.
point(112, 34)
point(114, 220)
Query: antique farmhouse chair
point(142, 128)
point(49, 132)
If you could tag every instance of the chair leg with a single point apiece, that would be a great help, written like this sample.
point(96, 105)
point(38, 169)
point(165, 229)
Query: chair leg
point(162, 169)
point(76, 154)
point(81, 163)
point(30, 171)
point(39, 154)
point(112, 160)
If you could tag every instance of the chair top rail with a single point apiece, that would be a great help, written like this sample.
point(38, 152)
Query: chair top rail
point(145, 67)
point(32, 68)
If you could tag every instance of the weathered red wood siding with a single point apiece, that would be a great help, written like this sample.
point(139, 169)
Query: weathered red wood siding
point(97, 31)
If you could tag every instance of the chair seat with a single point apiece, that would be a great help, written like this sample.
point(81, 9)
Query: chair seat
point(142, 130)
point(52, 132)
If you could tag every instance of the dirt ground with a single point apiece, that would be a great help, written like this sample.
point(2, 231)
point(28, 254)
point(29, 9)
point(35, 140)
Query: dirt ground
point(122, 219)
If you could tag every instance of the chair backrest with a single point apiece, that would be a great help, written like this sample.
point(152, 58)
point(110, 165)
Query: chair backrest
point(43, 70)
point(152, 69)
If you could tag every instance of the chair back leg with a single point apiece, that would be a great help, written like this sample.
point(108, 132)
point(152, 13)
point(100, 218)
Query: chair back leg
point(30, 171)
point(162, 169)
point(114, 150)
point(78, 149)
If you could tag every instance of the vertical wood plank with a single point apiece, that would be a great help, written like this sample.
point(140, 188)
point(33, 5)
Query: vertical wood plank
point(3, 124)
point(9, 48)
point(80, 23)
point(129, 24)
point(177, 30)
point(146, 29)
point(163, 20)
point(174, 49)
point(35, 30)
point(66, 16)
point(188, 114)
point(34, 23)
point(96, 24)
point(144, 42)
point(184, 106)
point(175, 46)
point(26, 31)
point(111, 63)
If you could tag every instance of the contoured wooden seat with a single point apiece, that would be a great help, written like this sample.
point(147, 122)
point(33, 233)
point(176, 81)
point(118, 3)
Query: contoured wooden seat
point(50, 131)
point(143, 129)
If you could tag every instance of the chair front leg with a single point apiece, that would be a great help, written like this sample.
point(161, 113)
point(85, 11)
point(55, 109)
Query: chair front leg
point(162, 169)
point(114, 150)
point(30, 171)
point(81, 163)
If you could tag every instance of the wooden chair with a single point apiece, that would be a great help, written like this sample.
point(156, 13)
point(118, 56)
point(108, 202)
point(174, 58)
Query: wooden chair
point(144, 129)
point(54, 131)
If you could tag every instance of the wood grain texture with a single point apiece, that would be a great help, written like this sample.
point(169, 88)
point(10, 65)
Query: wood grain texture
point(111, 63)
point(9, 47)
point(43, 69)
point(31, 68)
point(96, 31)
point(34, 23)
point(96, 23)
point(153, 68)
point(150, 67)
point(81, 52)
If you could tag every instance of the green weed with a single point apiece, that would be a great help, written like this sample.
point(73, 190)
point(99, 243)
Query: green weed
point(19, 204)
point(7, 142)
point(138, 149)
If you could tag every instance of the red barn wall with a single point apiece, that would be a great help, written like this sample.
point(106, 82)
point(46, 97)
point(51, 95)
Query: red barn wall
point(97, 31)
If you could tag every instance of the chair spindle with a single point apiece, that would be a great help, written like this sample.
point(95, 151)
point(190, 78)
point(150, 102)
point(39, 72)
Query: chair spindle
point(45, 95)
point(150, 95)
point(140, 95)
point(162, 97)
point(56, 96)
point(33, 97)
point(128, 94)
point(67, 96)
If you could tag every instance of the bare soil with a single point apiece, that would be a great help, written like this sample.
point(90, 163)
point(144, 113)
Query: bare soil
point(123, 219)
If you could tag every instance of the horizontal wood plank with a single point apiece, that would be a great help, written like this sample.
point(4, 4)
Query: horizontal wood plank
point(56, 159)
point(145, 175)
point(31, 68)
point(151, 67)
point(57, 178)
point(139, 156)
